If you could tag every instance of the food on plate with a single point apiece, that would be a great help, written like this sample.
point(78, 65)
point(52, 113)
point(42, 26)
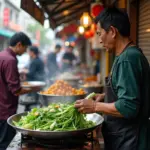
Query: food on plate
point(55, 117)
point(25, 83)
point(62, 88)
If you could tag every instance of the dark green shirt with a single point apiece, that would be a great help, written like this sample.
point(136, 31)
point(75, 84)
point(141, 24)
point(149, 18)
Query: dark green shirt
point(131, 83)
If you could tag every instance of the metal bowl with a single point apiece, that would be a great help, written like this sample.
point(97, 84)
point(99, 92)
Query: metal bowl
point(98, 119)
point(48, 99)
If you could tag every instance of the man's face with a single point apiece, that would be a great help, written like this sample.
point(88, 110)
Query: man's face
point(107, 39)
point(21, 49)
point(30, 53)
point(57, 50)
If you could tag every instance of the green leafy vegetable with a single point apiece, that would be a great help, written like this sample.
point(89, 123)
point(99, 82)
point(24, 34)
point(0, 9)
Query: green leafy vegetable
point(55, 117)
point(91, 95)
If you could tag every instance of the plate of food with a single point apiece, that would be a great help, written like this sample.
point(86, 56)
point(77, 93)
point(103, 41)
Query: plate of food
point(30, 84)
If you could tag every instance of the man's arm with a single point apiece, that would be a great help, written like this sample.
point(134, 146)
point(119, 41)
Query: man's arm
point(13, 81)
point(26, 90)
point(90, 106)
point(107, 108)
point(12, 76)
point(128, 92)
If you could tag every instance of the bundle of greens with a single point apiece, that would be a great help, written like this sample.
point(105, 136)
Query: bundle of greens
point(55, 117)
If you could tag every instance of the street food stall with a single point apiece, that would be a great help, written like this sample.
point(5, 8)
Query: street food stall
point(62, 126)
point(57, 125)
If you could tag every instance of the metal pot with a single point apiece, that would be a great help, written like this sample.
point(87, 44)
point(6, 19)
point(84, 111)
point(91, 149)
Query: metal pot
point(98, 119)
point(48, 99)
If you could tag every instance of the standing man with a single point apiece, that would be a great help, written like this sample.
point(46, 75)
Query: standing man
point(36, 67)
point(10, 85)
point(127, 96)
point(68, 58)
point(52, 62)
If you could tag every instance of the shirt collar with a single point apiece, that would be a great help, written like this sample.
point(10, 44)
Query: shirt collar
point(11, 52)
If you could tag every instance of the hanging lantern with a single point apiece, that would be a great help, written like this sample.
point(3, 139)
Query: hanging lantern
point(85, 20)
point(87, 34)
point(96, 8)
point(91, 33)
point(81, 29)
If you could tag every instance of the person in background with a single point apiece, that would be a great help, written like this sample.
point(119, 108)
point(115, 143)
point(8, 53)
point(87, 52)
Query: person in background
point(35, 72)
point(126, 107)
point(68, 58)
point(52, 62)
point(36, 66)
point(10, 87)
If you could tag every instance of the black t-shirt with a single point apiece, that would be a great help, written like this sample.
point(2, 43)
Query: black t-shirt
point(69, 56)
point(36, 70)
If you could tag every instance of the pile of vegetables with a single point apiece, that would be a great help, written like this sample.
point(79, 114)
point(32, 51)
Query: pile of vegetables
point(55, 117)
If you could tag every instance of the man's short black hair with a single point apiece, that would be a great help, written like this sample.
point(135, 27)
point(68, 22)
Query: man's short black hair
point(20, 37)
point(34, 49)
point(114, 17)
point(58, 46)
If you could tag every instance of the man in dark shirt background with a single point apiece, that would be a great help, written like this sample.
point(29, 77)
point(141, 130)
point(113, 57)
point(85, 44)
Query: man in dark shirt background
point(36, 67)
point(52, 62)
point(35, 72)
point(10, 87)
point(68, 58)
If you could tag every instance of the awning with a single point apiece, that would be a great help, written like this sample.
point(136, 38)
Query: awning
point(6, 33)
point(59, 11)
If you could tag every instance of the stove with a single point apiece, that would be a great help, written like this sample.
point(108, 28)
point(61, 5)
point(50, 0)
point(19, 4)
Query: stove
point(85, 142)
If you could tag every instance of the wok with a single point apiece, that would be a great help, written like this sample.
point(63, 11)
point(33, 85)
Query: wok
point(47, 99)
point(98, 119)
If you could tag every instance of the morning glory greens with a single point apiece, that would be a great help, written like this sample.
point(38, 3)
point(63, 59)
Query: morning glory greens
point(55, 117)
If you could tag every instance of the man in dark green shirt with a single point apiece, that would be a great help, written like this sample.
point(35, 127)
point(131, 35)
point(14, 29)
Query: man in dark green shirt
point(126, 107)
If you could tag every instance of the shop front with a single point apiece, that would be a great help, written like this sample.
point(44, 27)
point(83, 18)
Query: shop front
point(144, 27)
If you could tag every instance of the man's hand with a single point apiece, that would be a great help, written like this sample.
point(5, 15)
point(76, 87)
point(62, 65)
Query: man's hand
point(35, 89)
point(99, 97)
point(27, 90)
point(85, 106)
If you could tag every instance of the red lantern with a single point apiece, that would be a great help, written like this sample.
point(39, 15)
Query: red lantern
point(96, 9)
point(91, 33)
point(87, 34)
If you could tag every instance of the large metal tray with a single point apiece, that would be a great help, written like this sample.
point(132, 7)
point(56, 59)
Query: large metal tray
point(98, 119)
